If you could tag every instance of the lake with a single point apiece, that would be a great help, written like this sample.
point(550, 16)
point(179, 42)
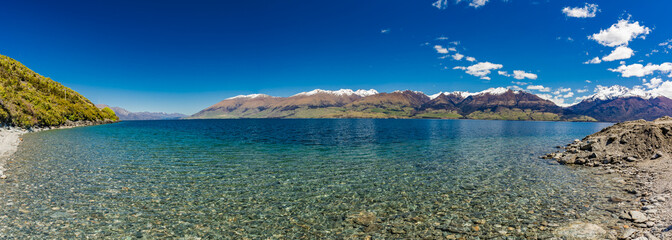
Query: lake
point(302, 178)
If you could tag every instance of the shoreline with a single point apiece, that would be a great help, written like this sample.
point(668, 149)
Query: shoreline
point(10, 138)
point(638, 155)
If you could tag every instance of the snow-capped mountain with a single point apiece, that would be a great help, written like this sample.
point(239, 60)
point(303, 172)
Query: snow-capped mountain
point(609, 93)
point(341, 92)
point(248, 96)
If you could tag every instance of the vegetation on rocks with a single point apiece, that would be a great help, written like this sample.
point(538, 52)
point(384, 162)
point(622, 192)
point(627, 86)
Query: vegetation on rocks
point(28, 99)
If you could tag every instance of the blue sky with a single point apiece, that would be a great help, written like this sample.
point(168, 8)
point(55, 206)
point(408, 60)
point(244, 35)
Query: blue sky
point(182, 56)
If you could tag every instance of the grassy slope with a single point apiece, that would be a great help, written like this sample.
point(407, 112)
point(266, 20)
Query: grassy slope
point(28, 99)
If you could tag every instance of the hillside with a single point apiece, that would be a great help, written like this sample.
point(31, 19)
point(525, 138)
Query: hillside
point(28, 99)
point(126, 115)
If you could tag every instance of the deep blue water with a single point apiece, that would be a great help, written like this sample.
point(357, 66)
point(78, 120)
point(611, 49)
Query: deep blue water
point(272, 178)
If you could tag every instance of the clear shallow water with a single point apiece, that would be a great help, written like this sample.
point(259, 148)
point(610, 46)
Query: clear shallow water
point(293, 179)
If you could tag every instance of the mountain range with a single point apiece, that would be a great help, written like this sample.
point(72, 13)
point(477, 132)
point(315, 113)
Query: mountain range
point(613, 104)
point(126, 115)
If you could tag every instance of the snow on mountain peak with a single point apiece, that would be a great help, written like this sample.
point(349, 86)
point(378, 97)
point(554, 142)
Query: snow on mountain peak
point(617, 91)
point(491, 91)
point(341, 92)
point(495, 91)
point(248, 96)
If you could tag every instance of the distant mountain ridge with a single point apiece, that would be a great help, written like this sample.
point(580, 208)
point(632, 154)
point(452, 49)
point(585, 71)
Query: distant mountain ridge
point(126, 115)
point(612, 104)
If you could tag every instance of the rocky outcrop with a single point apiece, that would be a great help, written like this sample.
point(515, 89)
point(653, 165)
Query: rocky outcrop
point(623, 142)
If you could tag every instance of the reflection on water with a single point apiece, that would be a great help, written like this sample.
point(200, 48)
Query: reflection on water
point(292, 179)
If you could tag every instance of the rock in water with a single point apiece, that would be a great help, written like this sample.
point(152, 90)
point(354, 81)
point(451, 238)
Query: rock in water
point(638, 217)
point(581, 230)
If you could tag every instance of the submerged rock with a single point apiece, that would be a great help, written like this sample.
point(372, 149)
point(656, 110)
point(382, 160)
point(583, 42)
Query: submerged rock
point(581, 230)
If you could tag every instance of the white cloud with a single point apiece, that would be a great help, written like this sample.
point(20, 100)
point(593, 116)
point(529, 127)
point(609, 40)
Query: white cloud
point(564, 89)
point(443, 4)
point(568, 95)
point(476, 3)
point(458, 56)
point(385, 31)
point(621, 52)
point(471, 59)
point(440, 4)
point(520, 83)
point(539, 88)
point(587, 11)
point(639, 70)
point(654, 83)
point(440, 49)
point(455, 43)
point(582, 90)
point(442, 38)
point(588, 81)
point(595, 60)
point(481, 69)
point(452, 49)
point(558, 100)
point(620, 33)
point(518, 74)
point(664, 89)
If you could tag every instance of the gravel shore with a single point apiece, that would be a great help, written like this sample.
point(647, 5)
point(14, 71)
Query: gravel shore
point(9, 142)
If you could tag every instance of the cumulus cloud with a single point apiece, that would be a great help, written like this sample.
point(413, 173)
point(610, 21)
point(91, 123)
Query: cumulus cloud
point(458, 56)
point(595, 60)
point(562, 90)
point(520, 83)
point(664, 89)
point(587, 11)
point(582, 90)
point(471, 59)
point(481, 69)
point(518, 74)
point(620, 33)
point(440, 49)
point(558, 100)
point(539, 88)
point(621, 52)
point(653, 83)
point(639, 70)
point(385, 31)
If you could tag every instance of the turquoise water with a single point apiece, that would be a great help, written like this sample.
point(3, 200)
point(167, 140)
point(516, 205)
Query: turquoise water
point(289, 179)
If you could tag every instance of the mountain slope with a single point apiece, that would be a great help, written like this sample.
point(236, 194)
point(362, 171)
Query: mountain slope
point(624, 108)
point(28, 99)
point(124, 114)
